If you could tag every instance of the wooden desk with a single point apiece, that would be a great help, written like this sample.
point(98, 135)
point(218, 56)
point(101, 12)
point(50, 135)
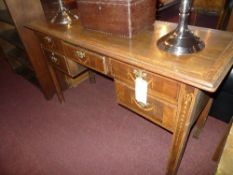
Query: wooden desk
point(178, 87)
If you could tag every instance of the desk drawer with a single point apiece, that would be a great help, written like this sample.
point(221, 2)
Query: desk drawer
point(157, 111)
point(87, 58)
point(158, 86)
point(64, 64)
point(50, 43)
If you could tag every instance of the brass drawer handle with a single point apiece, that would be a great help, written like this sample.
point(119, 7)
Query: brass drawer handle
point(136, 74)
point(48, 39)
point(139, 73)
point(54, 59)
point(80, 54)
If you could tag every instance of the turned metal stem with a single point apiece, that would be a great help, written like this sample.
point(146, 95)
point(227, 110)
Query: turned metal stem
point(61, 5)
point(184, 14)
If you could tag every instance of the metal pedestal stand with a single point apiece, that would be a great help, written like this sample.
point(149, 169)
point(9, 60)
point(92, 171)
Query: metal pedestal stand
point(63, 16)
point(181, 41)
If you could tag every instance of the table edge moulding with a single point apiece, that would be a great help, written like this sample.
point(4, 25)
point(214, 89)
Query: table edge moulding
point(179, 88)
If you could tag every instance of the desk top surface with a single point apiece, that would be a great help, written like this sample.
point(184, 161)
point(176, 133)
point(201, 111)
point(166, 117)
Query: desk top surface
point(204, 70)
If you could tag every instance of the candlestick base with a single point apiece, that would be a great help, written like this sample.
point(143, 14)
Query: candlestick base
point(64, 17)
point(180, 43)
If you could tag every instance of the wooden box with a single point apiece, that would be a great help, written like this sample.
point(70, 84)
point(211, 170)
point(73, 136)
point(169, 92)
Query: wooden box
point(119, 17)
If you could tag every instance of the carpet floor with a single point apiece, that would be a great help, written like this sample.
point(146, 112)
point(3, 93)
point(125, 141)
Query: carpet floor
point(90, 134)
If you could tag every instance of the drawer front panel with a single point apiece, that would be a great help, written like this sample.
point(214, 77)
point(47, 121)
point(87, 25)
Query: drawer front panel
point(65, 65)
point(157, 111)
point(57, 60)
point(161, 87)
point(50, 43)
point(87, 58)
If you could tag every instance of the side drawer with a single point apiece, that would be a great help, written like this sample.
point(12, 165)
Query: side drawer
point(87, 58)
point(50, 43)
point(157, 111)
point(64, 64)
point(159, 86)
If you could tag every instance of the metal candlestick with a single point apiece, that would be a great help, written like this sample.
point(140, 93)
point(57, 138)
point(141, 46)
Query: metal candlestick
point(181, 41)
point(63, 16)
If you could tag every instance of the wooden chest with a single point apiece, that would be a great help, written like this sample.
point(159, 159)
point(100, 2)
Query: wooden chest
point(119, 17)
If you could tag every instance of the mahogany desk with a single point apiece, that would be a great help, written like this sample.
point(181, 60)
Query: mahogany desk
point(178, 87)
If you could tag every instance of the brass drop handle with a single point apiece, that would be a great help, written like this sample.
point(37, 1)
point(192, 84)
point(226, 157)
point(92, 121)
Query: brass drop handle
point(48, 39)
point(80, 54)
point(53, 58)
point(139, 73)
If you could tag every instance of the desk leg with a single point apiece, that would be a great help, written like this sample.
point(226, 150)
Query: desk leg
point(56, 84)
point(219, 149)
point(186, 114)
point(92, 77)
point(202, 119)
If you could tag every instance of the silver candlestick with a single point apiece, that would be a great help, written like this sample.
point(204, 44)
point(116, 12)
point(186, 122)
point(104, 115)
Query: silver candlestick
point(63, 16)
point(181, 40)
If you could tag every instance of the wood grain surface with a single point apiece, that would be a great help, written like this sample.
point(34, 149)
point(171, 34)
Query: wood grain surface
point(204, 70)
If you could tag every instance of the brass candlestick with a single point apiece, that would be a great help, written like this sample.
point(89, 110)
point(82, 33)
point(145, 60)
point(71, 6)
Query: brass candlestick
point(181, 41)
point(64, 16)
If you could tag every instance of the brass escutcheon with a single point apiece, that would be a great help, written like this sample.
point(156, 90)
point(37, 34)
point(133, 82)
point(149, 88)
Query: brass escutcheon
point(139, 73)
point(80, 54)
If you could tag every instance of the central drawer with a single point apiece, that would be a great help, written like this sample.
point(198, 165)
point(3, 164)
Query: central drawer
point(87, 58)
